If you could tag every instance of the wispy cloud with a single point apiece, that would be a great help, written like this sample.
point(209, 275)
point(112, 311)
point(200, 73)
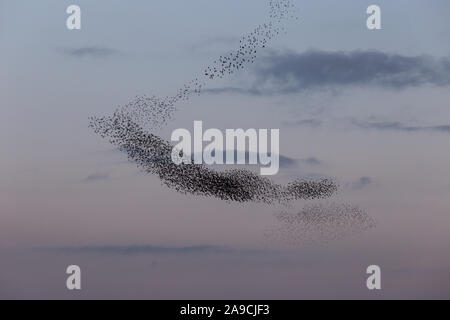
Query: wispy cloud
point(91, 52)
point(398, 126)
point(285, 161)
point(97, 177)
point(360, 184)
point(144, 249)
point(234, 90)
point(311, 161)
point(304, 122)
point(378, 125)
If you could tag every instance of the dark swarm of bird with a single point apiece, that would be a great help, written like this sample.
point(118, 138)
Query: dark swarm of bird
point(129, 130)
point(125, 130)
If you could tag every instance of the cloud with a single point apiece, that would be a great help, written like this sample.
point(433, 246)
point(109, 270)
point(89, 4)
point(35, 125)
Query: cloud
point(291, 72)
point(398, 126)
point(236, 90)
point(97, 177)
point(311, 161)
point(91, 52)
point(377, 125)
point(360, 184)
point(304, 122)
point(285, 162)
point(136, 249)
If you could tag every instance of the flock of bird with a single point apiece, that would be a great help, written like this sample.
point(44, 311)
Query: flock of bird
point(126, 130)
point(320, 223)
point(129, 130)
point(153, 155)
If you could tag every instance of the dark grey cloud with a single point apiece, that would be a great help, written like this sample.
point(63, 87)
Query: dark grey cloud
point(92, 52)
point(290, 72)
point(360, 184)
point(97, 177)
point(293, 72)
point(311, 161)
point(286, 162)
point(144, 249)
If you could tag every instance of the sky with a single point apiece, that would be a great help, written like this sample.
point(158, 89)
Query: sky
point(367, 108)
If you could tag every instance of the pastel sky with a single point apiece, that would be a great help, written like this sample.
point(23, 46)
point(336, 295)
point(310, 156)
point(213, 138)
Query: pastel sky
point(367, 108)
